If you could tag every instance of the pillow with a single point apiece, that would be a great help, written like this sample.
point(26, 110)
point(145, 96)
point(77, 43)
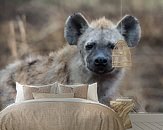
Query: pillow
point(24, 92)
point(50, 95)
point(92, 92)
point(80, 91)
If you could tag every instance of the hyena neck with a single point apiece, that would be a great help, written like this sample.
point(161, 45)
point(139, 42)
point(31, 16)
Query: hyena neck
point(107, 84)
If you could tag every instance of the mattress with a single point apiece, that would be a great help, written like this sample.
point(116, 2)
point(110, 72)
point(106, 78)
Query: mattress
point(59, 114)
point(147, 121)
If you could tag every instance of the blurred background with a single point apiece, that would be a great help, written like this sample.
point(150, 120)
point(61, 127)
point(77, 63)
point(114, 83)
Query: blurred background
point(36, 27)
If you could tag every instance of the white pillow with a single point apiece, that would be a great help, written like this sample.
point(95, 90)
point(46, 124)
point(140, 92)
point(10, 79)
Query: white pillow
point(19, 93)
point(92, 92)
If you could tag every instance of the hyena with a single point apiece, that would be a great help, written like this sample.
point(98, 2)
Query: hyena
point(87, 58)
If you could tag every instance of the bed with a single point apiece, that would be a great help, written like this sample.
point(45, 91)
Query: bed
point(59, 114)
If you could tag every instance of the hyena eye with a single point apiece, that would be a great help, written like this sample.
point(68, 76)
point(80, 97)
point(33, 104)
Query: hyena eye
point(89, 46)
point(111, 46)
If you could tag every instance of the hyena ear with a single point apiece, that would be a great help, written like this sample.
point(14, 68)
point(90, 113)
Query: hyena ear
point(75, 26)
point(129, 27)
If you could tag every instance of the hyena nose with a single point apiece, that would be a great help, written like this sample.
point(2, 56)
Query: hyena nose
point(101, 61)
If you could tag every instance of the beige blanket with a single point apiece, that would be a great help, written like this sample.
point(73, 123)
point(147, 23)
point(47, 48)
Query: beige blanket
point(59, 114)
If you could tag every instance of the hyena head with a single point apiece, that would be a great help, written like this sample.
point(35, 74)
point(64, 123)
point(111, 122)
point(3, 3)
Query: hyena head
point(96, 40)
